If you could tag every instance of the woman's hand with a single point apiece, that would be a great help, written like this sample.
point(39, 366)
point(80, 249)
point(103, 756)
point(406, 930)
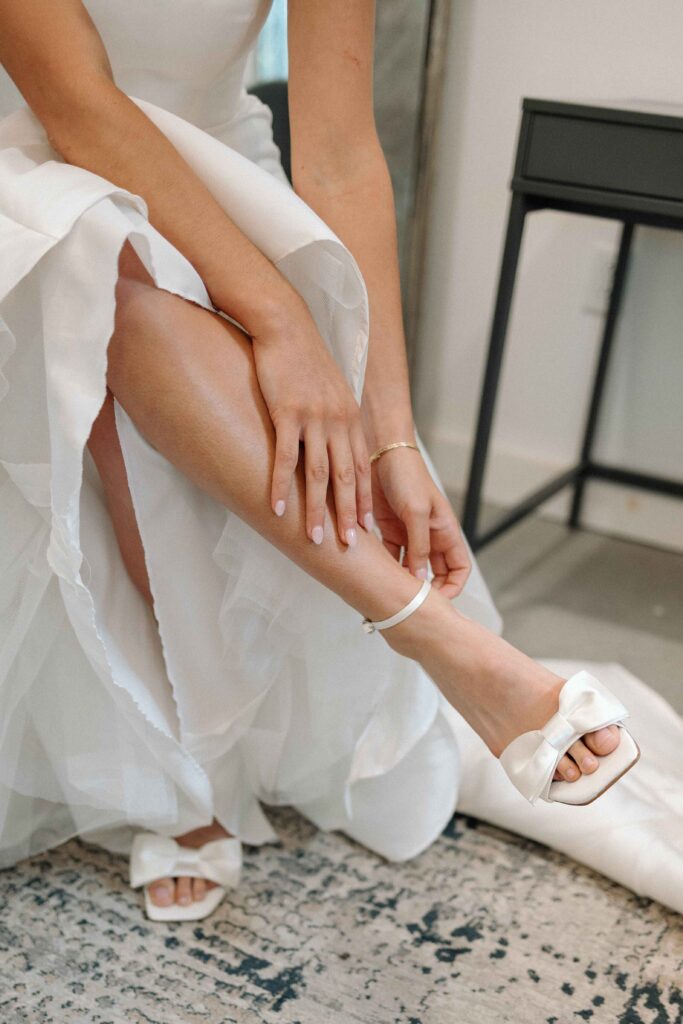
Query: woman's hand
point(413, 513)
point(309, 400)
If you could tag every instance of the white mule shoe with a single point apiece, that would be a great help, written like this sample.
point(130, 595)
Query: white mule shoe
point(153, 857)
point(585, 705)
point(530, 760)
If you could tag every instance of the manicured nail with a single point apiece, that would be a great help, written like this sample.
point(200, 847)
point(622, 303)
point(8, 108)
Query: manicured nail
point(317, 534)
point(590, 762)
point(572, 773)
point(422, 573)
point(351, 537)
point(161, 892)
point(279, 507)
point(368, 521)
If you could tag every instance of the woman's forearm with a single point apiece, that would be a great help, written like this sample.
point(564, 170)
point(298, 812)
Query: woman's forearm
point(359, 207)
point(102, 130)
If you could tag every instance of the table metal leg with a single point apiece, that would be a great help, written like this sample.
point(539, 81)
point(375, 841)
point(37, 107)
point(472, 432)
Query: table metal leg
point(513, 239)
point(600, 379)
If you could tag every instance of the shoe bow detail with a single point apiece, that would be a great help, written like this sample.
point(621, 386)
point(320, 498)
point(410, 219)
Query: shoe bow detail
point(585, 705)
point(154, 856)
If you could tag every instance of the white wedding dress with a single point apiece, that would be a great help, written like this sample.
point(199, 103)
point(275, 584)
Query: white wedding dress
point(264, 689)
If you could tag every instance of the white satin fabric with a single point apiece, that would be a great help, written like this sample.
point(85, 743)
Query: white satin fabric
point(153, 857)
point(530, 760)
point(257, 685)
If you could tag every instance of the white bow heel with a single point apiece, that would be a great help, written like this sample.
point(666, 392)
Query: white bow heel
point(585, 705)
point(153, 857)
point(530, 760)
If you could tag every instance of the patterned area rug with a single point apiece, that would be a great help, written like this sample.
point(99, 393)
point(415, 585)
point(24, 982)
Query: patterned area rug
point(483, 928)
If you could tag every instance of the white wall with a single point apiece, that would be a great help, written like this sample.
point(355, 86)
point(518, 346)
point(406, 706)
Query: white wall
point(500, 51)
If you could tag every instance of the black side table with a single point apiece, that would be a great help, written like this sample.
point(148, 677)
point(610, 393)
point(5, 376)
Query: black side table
point(623, 162)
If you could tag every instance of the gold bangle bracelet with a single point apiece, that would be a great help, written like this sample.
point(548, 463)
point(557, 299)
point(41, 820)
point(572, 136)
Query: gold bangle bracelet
point(388, 447)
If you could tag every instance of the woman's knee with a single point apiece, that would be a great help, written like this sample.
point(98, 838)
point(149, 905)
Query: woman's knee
point(135, 292)
point(137, 308)
point(131, 266)
point(132, 299)
point(162, 339)
point(103, 436)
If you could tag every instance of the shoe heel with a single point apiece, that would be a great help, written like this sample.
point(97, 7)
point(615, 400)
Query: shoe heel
point(585, 705)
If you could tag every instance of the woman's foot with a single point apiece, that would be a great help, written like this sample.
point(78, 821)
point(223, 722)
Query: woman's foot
point(184, 890)
point(500, 691)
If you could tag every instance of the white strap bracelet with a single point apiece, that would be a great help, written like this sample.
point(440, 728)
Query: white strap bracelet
point(412, 606)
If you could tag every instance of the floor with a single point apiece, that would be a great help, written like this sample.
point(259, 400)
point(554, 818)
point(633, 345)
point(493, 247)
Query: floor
point(566, 594)
point(485, 927)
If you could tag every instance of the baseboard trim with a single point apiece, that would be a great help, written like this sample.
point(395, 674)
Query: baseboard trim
point(608, 508)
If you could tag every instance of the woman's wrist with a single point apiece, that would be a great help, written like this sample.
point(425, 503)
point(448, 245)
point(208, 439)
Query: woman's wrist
point(279, 318)
point(274, 310)
point(380, 437)
point(386, 423)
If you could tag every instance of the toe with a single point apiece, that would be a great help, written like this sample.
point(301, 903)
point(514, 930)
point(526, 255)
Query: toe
point(162, 893)
point(602, 741)
point(183, 895)
point(198, 889)
point(586, 761)
point(567, 770)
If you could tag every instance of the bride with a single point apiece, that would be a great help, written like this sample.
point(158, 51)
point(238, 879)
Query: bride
point(213, 492)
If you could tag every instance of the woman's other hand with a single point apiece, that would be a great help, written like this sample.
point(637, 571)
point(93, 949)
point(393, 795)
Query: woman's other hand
point(413, 513)
point(309, 401)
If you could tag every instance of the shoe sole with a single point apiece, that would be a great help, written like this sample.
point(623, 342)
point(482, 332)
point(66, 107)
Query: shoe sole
point(584, 803)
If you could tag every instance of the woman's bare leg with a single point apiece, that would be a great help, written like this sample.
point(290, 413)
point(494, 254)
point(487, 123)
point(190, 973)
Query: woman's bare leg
point(106, 452)
point(186, 377)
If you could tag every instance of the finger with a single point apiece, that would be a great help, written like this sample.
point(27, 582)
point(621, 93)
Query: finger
point(317, 477)
point(287, 434)
point(361, 460)
point(393, 549)
point(343, 478)
point(416, 522)
point(458, 565)
point(439, 568)
point(456, 574)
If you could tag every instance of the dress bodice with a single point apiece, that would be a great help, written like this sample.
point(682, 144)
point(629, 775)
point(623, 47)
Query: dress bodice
point(187, 56)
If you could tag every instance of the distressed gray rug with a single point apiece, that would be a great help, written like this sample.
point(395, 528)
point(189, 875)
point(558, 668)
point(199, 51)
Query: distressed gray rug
point(483, 928)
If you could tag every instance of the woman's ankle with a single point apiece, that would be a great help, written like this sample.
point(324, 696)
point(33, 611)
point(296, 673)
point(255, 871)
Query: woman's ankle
point(499, 690)
point(424, 629)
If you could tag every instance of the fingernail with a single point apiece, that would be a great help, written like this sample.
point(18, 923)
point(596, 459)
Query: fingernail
point(572, 773)
point(368, 521)
point(317, 534)
point(590, 762)
point(351, 537)
point(422, 573)
point(279, 507)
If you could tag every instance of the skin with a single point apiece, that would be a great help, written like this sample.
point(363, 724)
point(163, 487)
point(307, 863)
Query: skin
point(262, 417)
